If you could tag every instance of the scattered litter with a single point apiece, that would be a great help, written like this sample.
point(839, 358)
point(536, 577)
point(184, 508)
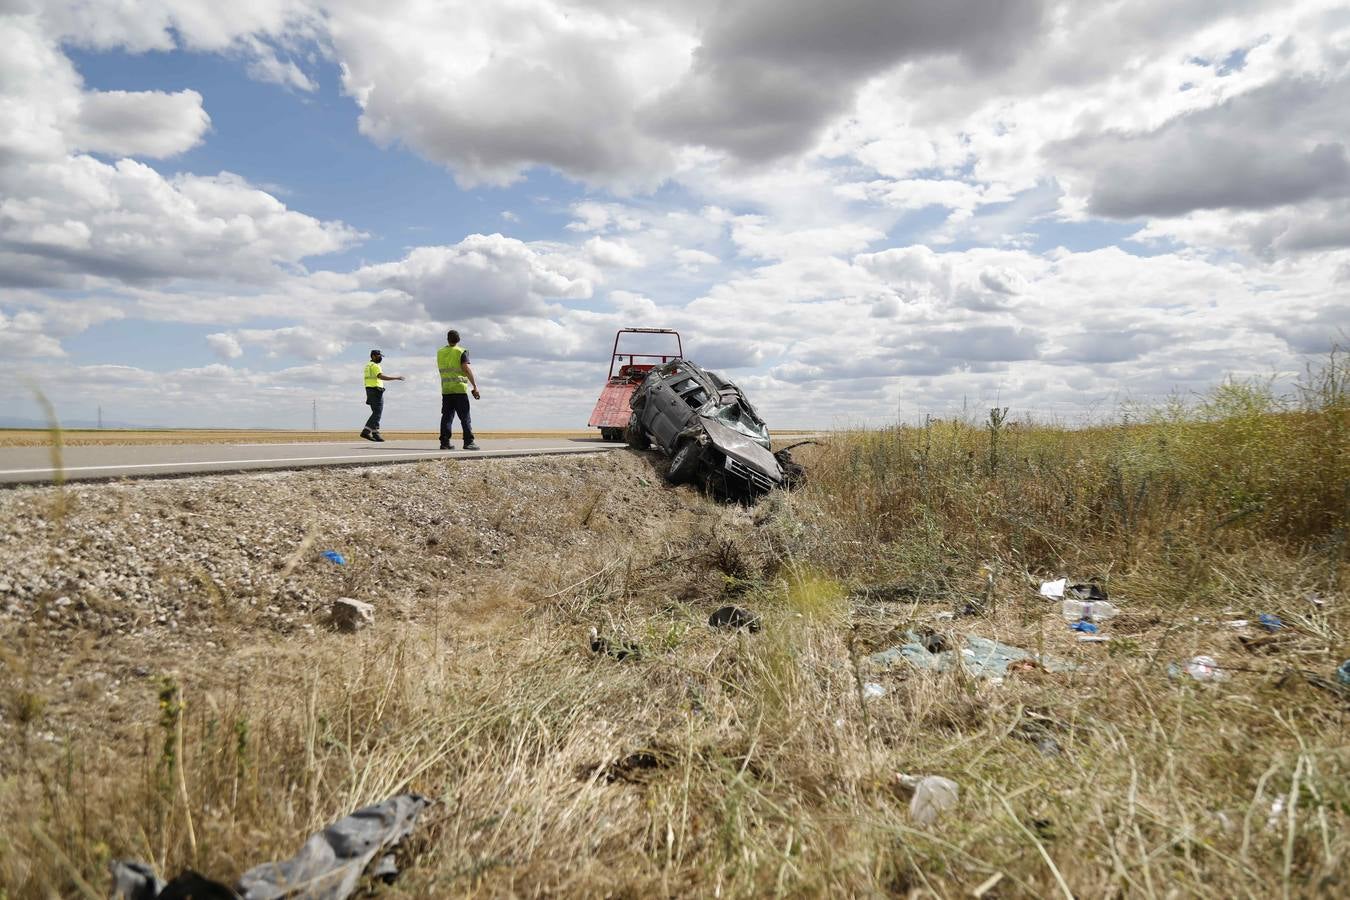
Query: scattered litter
point(1269, 622)
point(328, 867)
point(872, 690)
point(971, 608)
point(620, 650)
point(137, 881)
point(1053, 590)
point(1092, 638)
point(989, 658)
point(933, 642)
point(1090, 592)
point(945, 616)
point(1085, 626)
point(1095, 610)
point(734, 617)
point(982, 657)
point(1201, 668)
point(1237, 623)
point(933, 795)
point(1343, 673)
point(352, 615)
point(334, 557)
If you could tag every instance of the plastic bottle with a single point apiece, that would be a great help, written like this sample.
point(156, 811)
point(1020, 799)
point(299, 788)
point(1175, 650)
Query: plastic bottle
point(1096, 611)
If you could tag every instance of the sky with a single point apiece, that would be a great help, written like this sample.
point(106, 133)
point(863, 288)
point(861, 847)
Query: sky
point(864, 211)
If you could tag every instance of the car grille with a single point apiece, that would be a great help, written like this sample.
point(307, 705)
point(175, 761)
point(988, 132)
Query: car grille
point(757, 479)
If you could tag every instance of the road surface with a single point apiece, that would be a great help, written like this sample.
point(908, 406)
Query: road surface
point(34, 464)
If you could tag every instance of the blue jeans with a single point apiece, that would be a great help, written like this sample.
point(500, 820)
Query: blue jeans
point(375, 400)
point(455, 405)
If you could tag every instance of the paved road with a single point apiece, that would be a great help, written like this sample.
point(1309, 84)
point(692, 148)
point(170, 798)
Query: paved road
point(34, 464)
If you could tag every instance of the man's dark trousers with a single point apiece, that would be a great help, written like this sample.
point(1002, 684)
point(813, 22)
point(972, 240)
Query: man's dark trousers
point(455, 405)
point(375, 400)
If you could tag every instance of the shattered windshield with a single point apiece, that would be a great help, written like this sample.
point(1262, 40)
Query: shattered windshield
point(740, 416)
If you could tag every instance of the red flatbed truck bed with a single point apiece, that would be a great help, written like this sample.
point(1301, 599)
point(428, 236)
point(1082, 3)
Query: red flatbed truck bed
point(611, 410)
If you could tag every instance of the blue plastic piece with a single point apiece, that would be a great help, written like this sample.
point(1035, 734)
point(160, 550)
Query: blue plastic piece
point(334, 556)
point(1343, 673)
point(1084, 626)
point(1269, 622)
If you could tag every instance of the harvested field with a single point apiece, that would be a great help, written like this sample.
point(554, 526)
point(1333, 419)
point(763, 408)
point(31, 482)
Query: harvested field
point(93, 437)
point(17, 437)
point(708, 762)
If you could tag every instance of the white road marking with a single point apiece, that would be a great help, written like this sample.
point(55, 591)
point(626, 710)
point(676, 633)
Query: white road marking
point(460, 454)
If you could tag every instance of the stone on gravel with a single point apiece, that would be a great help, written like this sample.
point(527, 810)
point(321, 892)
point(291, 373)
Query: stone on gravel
point(352, 615)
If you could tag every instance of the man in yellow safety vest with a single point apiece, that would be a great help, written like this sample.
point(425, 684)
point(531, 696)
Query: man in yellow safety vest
point(375, 395)
point(456, 380)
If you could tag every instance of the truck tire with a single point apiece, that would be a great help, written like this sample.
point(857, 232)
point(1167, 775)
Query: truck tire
point(684, 463)
point(635, 436)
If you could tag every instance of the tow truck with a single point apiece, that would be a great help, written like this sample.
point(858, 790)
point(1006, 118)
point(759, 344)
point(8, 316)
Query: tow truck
point(612, 410)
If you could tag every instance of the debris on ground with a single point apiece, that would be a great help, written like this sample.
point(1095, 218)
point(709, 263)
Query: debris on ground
point(872, 690)
point(328, 867)
point(734, 617)
point(1084, 625)
point(1343, 673)
point(334, 557)
point(1053, 590)
point(352, 615)
point(618, 649)
point(1093, 610)
point(1201, 668)
point(982, 657)
point(933, 795)
point(1269, 622)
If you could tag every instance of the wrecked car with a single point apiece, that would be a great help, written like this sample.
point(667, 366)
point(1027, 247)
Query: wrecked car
point(710, 431)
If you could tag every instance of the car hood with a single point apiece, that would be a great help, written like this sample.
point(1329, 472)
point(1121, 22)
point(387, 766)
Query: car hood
point(745, 449)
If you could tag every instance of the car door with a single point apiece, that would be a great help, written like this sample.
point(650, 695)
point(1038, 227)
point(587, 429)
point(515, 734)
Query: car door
point(663, 410)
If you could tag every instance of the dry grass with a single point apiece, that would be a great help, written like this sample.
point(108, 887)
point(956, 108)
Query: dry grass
point(746, 765)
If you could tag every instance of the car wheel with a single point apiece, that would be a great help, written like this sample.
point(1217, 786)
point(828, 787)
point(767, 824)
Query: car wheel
point(635, 436)
point(684, 463)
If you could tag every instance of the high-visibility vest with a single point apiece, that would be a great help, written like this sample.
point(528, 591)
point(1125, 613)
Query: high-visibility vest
point(453, 379)
point(373, 374)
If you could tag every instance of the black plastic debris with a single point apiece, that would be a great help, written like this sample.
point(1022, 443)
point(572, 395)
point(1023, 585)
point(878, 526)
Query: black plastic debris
point(328, 867)
point(1091, 593)
point(734, 617)
point(619, 650)
point(137, 881)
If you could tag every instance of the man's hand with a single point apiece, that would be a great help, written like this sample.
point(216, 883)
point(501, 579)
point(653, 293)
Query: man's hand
point(476, 395)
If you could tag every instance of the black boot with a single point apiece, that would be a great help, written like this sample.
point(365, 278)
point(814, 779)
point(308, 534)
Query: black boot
point(366, 433)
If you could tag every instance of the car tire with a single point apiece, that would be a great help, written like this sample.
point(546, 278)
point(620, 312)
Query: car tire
point(684, 462)
point(635, 436)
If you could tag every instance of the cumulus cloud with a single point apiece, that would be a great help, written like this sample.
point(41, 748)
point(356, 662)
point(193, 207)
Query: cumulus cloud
point(142, 123)
point(769, 74)
point(1281, 143)
point(483, 275)
point(67, 216)
point(613, 254)
point(224, 345)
